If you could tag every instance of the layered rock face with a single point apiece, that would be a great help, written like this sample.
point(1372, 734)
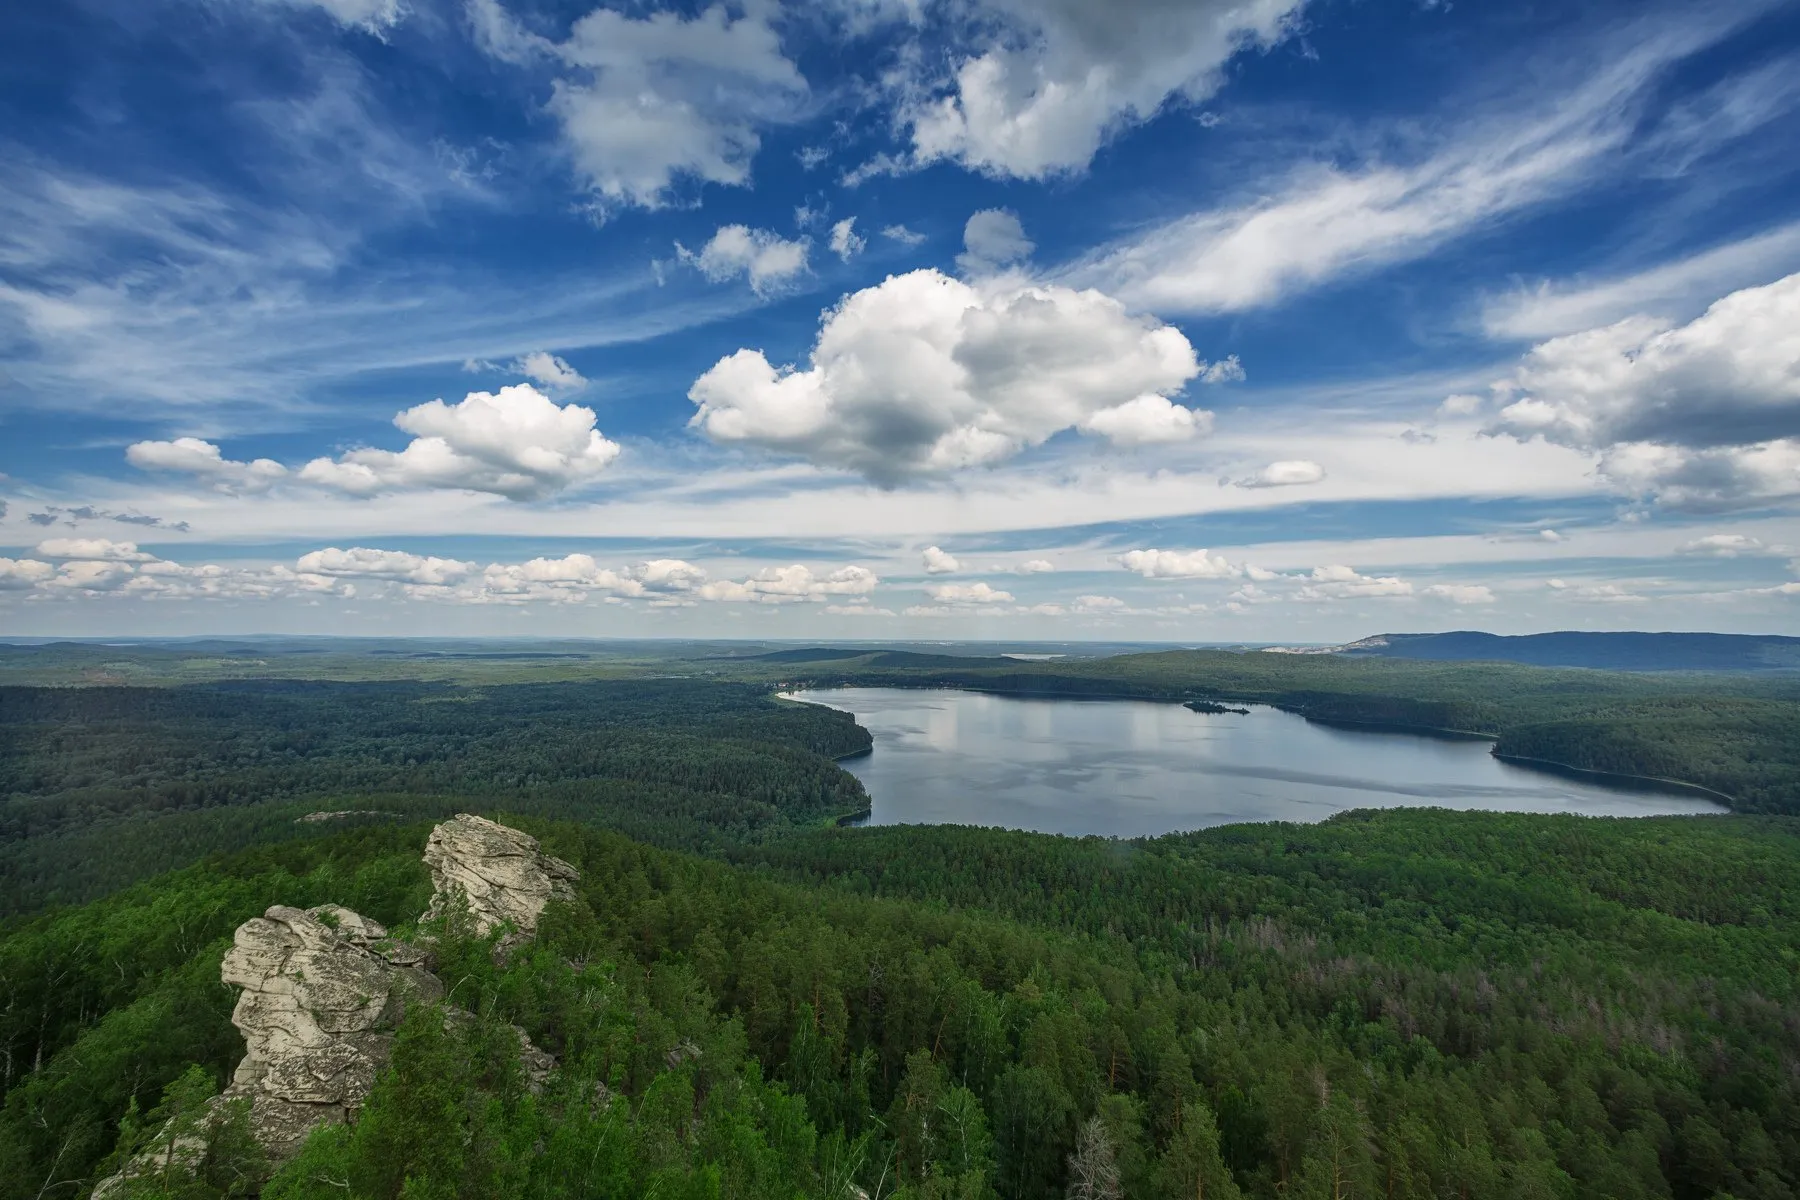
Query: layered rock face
point(318, 1012)
point(499, 872)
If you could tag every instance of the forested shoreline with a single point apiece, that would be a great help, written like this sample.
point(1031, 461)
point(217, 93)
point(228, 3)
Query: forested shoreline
point(749, 1001)
point(1733, 736)
point(695, 752)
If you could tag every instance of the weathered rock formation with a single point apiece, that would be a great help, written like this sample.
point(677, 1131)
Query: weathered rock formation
point(318, 1011)
point(324, 989)
point(499, 872)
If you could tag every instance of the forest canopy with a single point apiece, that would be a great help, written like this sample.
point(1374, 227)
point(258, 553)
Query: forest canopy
point(747, 1000)
point(1410, 1003)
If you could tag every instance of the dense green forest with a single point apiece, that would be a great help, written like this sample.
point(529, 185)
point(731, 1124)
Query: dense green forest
point(105, 785)
point(750, 1001)
point(1410, 1003)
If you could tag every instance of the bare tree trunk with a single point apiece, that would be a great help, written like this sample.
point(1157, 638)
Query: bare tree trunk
point(1094, 1168)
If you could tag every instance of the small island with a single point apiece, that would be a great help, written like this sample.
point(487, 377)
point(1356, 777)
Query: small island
point(1213, 706)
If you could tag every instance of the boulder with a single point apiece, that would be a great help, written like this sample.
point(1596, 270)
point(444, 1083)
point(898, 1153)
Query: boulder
point(498, 872)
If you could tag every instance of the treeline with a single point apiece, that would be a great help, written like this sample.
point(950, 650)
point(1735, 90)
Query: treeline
point(1404, 1004)
point(102, 785)
point(1733, 734)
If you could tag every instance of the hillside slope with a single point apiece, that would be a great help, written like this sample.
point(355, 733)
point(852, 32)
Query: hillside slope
point(1410, 1004)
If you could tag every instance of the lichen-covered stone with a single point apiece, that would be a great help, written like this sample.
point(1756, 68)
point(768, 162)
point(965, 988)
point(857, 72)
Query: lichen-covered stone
point(498, 872)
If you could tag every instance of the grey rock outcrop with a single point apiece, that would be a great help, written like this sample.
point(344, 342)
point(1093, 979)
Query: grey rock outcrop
point(318, 1012)
point(325, 988)
point(500, 873)
point(323, 992)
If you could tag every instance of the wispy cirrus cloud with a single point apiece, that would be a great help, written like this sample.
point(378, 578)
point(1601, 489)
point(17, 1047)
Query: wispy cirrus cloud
point(1325, 221)
point(1671, 288)
point(374, 16)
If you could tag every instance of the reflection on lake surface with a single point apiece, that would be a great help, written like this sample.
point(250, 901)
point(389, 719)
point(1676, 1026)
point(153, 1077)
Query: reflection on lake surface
point(1128, 768)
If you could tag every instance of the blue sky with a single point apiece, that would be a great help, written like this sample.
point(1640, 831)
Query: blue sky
point(1185, 320)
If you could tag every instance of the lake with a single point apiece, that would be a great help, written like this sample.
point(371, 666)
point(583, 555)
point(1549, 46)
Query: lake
point(1127, 768)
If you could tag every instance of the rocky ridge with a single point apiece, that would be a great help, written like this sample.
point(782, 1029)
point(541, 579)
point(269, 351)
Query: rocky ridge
point(324, 989)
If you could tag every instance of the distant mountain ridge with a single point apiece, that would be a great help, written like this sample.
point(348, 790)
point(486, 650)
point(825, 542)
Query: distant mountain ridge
point(1624, 651)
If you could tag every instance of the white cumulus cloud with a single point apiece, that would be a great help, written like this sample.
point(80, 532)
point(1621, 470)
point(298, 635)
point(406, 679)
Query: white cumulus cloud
point(646, 103)
point(100, 549)
point(1226, 370)
point(1178, 564)
point(18, 574)
point(1148, 420)
point(924, 373)
point(940, 562)
point(968, 593)
point(91, 576)
point(1287, 473)
point(549, 370)
point(1704, 412)
point(1051, 80)
point(1344, 583)
point(766, 259)
point(191, 456)
point(780, 585)
point(845, 242)
point(1595, 593)
point(854, 609)
point(397, 565)
point(516, 443)
point(993, 239)
point(567, 580)
point(1460, 593)
point(1101, 604)
point(361, 571)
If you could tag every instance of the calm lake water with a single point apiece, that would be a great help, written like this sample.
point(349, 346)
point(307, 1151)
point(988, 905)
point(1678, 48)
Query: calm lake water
point(1126, 768)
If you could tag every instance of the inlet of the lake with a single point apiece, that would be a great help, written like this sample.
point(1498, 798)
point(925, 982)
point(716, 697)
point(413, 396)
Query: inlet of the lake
point(1127, 768)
